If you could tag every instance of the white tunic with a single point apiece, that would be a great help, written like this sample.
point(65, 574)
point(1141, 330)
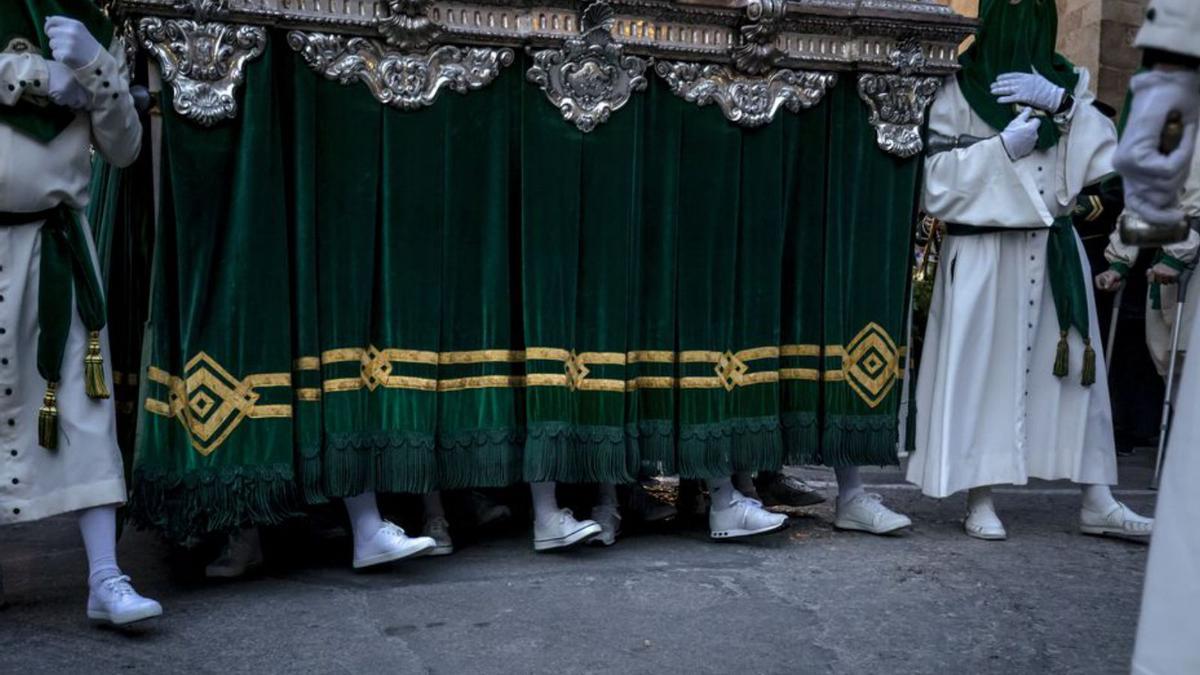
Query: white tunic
point(85, 470)
point(989, 408)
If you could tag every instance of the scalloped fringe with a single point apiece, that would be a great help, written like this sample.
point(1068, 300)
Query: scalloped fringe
point(352, 464)
point(801, 439)
point(720, 450)
point(213, 500)
point(568, 454)
point(860, 440)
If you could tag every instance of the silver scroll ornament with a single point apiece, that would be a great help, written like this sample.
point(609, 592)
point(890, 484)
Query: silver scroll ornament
point(404, 80)
point(751, 101)
point(898, 101)
point(590, 77)
point(204, 62)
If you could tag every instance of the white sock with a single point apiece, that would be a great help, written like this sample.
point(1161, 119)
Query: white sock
point(721, 492)
point(433, 505)
point(545, 500)
point(365, 520)
point(980, 499)
point(849, 482)
point(1098, 498)
point(607, 495)
point(99, 529)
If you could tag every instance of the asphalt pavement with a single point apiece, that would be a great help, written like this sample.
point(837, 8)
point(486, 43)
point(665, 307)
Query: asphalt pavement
point(665, 600)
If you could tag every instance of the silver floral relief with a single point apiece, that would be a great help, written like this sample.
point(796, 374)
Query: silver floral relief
point(204, 62)
point(751, 101)
point(898, 101)
point(407, 25)
point(405, 80)
point(590, 77)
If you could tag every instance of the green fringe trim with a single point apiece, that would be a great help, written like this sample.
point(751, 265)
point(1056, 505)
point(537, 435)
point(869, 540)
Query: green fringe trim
point(1062, 357)
point(356, 462)
point(476, 459)
point(579, 454)
point(656, 447)
point(1089, 364)
point(801, 438)
point(724, 448)
point(859, 440)
point(205, 501)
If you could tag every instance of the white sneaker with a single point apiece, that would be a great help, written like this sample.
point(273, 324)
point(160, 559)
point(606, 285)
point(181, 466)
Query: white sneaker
point(390, 543)
point(562, 531)
point(242, 553)
point(438, 529)
point(609, 520)
point(115, 602)
point(866, 513)
point(1120, 520)
point(745, 517)
point(983, 523)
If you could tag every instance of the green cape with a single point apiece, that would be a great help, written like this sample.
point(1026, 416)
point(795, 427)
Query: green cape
point(25, 19)
point(1014, 38)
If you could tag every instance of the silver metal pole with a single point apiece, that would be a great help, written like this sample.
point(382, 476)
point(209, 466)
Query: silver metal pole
point(1164, 425)
point(1112, 326)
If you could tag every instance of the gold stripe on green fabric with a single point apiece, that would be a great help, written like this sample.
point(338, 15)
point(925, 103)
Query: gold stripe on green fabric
point(800, 350)
point(307, 363)
point(803, 374)
point(308, 394)
point(482, 382)
point(546, 354)
point(651, 356)
point(482, 356)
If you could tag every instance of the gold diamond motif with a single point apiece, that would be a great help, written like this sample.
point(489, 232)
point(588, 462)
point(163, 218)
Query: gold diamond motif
point(200, 403)
point(730, 370)
point(576, 370)
point(216, 402)
point(871, 364)
point(376, 366)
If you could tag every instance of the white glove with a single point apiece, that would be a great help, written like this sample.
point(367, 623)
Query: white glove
point(70, 42)
point(1153, 180)
point(1021, 135)
point(1028, 89)
point(1109, 280)
point(65, 90)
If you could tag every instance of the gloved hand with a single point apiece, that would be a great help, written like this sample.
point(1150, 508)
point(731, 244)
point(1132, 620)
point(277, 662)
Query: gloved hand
point(1109, 280)
point(65, 90)
point(1162, 273)
point(1153, 180)
point(1021, 135)
point(70, 42)
point(1028, 89)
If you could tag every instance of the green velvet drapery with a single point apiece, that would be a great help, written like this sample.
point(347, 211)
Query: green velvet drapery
point(351, 297)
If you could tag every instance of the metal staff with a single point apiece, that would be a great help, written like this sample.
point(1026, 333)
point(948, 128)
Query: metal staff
point(1168, 403)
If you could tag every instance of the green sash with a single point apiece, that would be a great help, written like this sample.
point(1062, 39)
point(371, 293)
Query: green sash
point(23, 21)
point(1070, 292)
point(67, 275)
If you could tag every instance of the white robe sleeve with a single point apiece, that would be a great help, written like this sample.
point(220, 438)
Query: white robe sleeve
point(1090, 142)
point(1119, 253)
point(977, 185)
point(22, 75)
point(116, 129)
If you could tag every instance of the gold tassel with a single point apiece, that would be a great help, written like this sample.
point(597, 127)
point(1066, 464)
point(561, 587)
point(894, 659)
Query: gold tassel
point(1062, 363)
point(48, 418)
point(1089, 363)
point(93, 368)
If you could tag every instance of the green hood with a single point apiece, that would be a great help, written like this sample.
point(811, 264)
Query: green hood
point(1014, 36)
point(24, 20)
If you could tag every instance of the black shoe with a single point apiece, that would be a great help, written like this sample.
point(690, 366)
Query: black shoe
point(780, 490)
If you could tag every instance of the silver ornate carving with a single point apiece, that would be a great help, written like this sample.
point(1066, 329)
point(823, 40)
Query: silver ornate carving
point(897, 101)
point(204, 9)
point(590, 77)
point(756, 53)
point(749, 101)
point(407, 25)
point(405, 80)
point(204, 62)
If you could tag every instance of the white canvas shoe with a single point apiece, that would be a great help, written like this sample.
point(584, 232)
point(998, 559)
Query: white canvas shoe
point(609, 520)
point(438, 529)
point(115, 602)
point(562, 531)
point(390, 543)
point(1120, 520)
point(242, 554)
point(866, 513)
point(745, 517)
point(983, 523)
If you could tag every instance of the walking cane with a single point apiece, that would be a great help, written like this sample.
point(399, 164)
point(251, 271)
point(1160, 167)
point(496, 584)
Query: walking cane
point(1168, 404)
